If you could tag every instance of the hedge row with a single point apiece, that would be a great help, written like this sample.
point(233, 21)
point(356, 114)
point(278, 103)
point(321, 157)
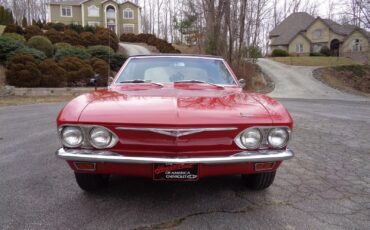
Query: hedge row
point(26, 71)
point(40, 48)
point(69, 34)
point(162, 45)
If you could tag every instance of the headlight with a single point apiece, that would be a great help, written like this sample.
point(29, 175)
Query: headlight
point(250, 139)
point(278, 137)
point(72, 137)
point(100, 138)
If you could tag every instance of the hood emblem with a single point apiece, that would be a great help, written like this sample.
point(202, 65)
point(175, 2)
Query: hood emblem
point(177, 132)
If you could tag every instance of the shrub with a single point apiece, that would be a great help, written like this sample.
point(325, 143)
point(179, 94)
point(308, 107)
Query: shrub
point(8, 45)
point(22, 71)
point(31, 31)
point(75, 27)
point(279, 53)
point(52, 74)
point(88, 28)
point(36, 54)
point(11, 28)
point(325, 51)
point(116, 61)
point(61, 45)
point(71, 37)
point(145, 37)
point(129, 38)
point(162, 45)
point(58, 26)
point(15, 36)
point(43, 44)
point(54, 36)
point(78, 72)
point(108, 38)
point(71, 52)
point(102, 52)
point(88, 39)
point(101, 67)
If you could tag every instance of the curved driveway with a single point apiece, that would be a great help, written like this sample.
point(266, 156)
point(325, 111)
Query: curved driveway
point(132, 49)
point(298, 82)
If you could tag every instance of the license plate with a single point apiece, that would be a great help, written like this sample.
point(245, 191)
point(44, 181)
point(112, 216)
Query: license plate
point(175, 172)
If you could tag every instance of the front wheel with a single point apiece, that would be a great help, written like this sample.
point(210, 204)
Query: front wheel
point(259, 181)
point(91, 182)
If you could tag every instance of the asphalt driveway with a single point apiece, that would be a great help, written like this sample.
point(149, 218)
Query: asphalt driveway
point(298, 82)
point(326, 186)
point(133, 49)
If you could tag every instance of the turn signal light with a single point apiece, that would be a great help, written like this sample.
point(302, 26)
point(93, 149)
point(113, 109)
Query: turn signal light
point(264, 166)
point(83, 166)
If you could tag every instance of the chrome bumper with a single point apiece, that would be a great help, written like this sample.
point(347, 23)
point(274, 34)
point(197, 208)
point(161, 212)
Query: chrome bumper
point(107, 156)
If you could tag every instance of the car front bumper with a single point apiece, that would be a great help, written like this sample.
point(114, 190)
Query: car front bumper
point(100, 156)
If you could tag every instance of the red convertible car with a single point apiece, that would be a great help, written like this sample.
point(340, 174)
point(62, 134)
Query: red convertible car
point(174, 118)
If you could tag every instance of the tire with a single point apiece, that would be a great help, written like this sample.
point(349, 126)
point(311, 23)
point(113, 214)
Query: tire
point(259, 181)
point(91, 182)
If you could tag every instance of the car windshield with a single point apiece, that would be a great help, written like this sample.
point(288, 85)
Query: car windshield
point(175, 70)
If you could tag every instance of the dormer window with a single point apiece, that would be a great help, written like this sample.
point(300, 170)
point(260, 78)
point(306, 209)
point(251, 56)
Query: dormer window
point(66, 11)
point(93, 11)
point(128, 13)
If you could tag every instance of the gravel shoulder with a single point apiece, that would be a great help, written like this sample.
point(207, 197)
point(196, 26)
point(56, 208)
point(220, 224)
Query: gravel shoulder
point(298, 82)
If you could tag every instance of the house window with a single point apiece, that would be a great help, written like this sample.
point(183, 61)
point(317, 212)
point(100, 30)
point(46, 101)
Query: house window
point(317, 34)
point(93, 11)
point(93, 23)
point(128, 13)
point(66, 11)
point(356, 46)
point(299, 48)
point(128, 28)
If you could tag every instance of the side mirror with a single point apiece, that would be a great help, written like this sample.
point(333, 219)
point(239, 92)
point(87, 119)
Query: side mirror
point(242, 83)
point(110, 80)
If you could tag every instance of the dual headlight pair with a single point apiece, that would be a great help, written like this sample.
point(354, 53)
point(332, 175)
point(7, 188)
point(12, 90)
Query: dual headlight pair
point(95, 136)
point(263, 137)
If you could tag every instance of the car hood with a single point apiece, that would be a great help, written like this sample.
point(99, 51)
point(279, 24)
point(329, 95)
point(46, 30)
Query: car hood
point(174, 107)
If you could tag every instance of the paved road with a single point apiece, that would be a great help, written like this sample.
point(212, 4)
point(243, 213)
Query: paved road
point(326, 186)
point(132, 49)
point(298, 82)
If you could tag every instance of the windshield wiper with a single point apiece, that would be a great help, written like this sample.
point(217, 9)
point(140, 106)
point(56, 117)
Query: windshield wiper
point(201, 82)
point(141, 81)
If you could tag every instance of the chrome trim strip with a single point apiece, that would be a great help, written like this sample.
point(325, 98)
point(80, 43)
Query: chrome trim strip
point(108, 156)
point(176, 132)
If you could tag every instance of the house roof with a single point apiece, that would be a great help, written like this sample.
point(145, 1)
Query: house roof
point(290, 27)
point(79, 2)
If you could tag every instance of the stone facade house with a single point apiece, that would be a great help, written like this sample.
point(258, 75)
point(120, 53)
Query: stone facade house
point(119, 17)
point(302, 34)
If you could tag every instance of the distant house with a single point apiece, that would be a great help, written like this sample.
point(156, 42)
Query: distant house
point(119, 17)
point(302, 34)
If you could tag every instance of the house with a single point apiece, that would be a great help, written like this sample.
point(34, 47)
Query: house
point(119, 17)
point(302, 34)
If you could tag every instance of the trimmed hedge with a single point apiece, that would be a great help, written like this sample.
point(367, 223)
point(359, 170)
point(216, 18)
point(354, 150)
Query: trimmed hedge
point(14, 36)
point(325, 51)
point(279, 53)
point(78, 72)
point(36, 54)
point(31, 31)
point(22, 71)
point(71, 37)
point(88, 39)
point(8, 45)
point(41, 43)
point(54, 36)
point(117, 61)
point(102, 68)
point(61, 45)
point(162, 45)
point(71, 52)
point(11, 28)
point(108, 38)
point(52, 74)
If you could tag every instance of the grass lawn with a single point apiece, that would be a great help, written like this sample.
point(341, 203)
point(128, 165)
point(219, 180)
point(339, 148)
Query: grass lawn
point(27, 100)
point(315, 61)
point(2, 29)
